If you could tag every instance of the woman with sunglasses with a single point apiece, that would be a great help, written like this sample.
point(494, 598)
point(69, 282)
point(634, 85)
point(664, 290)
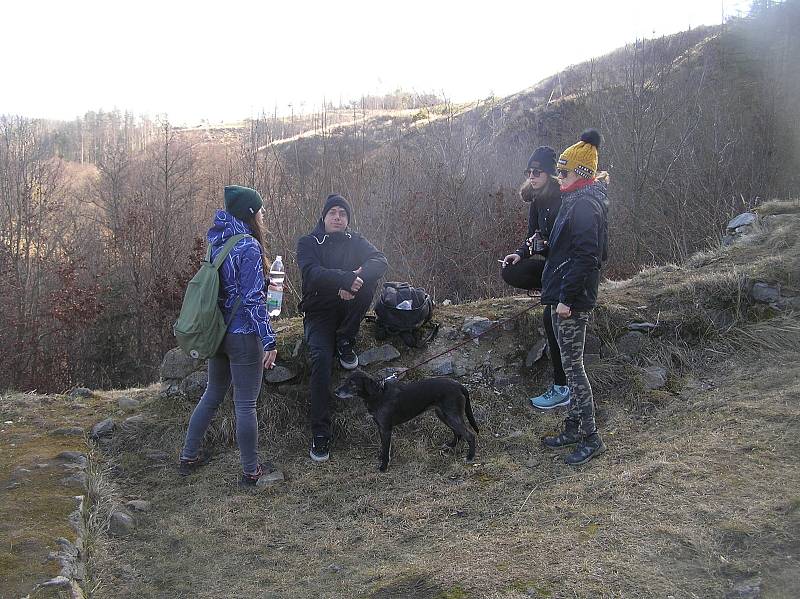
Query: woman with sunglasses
point(523, 269)
point(578, 246)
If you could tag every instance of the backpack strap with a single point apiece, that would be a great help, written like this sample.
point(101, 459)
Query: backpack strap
point(226, 249)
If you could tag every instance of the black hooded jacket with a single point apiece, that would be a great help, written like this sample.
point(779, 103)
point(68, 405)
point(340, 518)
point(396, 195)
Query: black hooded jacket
point(578, 246)
point(542, 214)
point(327, 262)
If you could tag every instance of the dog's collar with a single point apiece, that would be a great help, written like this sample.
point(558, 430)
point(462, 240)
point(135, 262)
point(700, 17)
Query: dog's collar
point(383, 382)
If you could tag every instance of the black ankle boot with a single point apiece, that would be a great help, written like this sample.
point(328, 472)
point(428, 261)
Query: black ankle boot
point(589, 447)
point(569, 436)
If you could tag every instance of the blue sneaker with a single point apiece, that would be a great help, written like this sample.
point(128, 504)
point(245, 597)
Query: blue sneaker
point(555, 397)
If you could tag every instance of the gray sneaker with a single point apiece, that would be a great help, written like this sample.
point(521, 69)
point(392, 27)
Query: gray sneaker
point(320, 448)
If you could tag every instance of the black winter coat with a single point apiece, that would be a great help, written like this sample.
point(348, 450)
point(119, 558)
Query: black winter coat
point(578, 246)
point(327, 262)
point(542, 214)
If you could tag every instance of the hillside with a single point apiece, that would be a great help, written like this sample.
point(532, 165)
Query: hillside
point(697, 495)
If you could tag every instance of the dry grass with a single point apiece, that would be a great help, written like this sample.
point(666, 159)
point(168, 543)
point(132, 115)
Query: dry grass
point(698, 491)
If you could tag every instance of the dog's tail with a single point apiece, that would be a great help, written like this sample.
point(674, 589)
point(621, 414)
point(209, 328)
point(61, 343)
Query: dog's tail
point(468, 410)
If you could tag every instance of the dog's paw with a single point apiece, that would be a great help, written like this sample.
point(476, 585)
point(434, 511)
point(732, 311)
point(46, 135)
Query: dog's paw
point(383, 467)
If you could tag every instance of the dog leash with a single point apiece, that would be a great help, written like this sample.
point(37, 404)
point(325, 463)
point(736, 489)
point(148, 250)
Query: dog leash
point(499, 323)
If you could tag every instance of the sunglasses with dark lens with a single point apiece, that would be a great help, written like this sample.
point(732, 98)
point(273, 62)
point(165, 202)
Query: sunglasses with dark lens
point(563, 173)
point(533, 172)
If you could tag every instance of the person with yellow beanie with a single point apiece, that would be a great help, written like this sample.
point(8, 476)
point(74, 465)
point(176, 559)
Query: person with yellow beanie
point(578, 246)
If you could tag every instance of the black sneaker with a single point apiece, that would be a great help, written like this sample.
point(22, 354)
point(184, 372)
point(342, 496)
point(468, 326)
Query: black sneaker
point(187, 467)
point(588, 448)
point(347, 355)
point(250, 480)
point(320, 448)
point(569, 436)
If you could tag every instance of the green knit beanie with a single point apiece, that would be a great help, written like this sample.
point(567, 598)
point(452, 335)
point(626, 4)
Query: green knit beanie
point(242, 202)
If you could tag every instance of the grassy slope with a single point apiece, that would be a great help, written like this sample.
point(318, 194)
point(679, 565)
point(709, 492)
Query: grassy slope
point(698, 491)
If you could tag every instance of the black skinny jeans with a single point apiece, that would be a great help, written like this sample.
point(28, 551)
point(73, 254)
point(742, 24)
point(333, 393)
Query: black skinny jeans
point(322, 330)
point(527, 274)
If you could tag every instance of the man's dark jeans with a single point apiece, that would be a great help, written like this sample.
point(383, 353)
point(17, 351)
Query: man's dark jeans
point(527, 274)
point(322, 330)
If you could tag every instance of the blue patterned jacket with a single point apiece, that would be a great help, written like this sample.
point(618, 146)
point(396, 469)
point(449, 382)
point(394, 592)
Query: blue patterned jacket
point(242, 274)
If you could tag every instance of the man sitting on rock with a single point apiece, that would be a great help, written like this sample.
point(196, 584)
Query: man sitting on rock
point(340, 271)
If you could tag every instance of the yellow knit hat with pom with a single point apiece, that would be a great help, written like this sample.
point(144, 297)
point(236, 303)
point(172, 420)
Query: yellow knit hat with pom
point(582, 157)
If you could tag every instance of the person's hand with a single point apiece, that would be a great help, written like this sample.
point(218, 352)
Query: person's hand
point(511, 259)
point(563, 310)
point(269, 358)
point(356, 285)
point(358, 271)
point(346, 295)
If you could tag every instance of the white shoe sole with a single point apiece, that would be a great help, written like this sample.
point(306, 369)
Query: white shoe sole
point(558, 405)
point(317, 458)
point(348, 365)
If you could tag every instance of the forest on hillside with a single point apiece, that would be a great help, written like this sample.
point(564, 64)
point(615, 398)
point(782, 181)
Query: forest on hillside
point(105, 216)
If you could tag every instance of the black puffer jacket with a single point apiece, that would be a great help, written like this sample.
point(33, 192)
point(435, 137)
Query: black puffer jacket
point(578, 247)
point(327, 262)
point(542, 214)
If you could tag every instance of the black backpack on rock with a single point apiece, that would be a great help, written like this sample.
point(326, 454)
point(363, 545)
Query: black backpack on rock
point(407, 322)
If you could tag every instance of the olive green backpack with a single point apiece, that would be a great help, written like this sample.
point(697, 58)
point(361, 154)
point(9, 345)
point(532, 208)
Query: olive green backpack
point(201, 327)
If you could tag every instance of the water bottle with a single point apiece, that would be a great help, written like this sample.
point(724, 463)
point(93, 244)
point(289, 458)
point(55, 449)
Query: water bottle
point(275, 296)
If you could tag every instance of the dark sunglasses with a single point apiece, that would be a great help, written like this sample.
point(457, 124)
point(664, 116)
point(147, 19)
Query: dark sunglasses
point(533, 172)
point(563, 173)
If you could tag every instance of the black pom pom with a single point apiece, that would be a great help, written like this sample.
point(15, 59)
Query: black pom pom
point(591, 136)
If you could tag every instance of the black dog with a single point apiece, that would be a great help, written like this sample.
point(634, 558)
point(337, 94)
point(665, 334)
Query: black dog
point(393, 402)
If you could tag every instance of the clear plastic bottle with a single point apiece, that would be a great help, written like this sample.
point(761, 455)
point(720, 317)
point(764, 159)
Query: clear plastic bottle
point(275, 290)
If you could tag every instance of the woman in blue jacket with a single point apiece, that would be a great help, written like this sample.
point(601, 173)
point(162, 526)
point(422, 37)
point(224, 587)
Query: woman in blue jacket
point(578, 246)
point(249, 344)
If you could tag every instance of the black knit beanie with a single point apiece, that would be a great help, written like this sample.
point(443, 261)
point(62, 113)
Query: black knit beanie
point(543, 158)
point(242, 202)
point(336, 200)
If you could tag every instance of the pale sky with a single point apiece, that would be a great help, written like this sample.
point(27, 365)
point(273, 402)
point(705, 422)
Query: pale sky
point(231, 59)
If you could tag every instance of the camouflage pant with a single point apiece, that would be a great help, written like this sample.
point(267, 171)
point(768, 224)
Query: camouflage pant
point(571, 335)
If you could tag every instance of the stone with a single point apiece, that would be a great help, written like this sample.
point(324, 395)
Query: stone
point(384, 353)
point(765, 293)
point(728, 240)
point(156, 455)
point(128, 403)
point(644, 327)
point(447, 302)
point(68, 431)
point(194, 385)
point(121, 524)
point(440, 367)
point(178, 365)
point(78, 480)
point(475, 326)
point(170, 388)
point(536, 352)
point(77, 392)
point(450, 333)
point(74, 458)
point(533, 462)
point(139, 505)
point(104, 428)
point(655, 377)
point(746, 589)
point(592, 344)
point(133, 420)
point(57, 582)
point(270, 480)
point(279, 374)
point(632, 343)
point(745, 218)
